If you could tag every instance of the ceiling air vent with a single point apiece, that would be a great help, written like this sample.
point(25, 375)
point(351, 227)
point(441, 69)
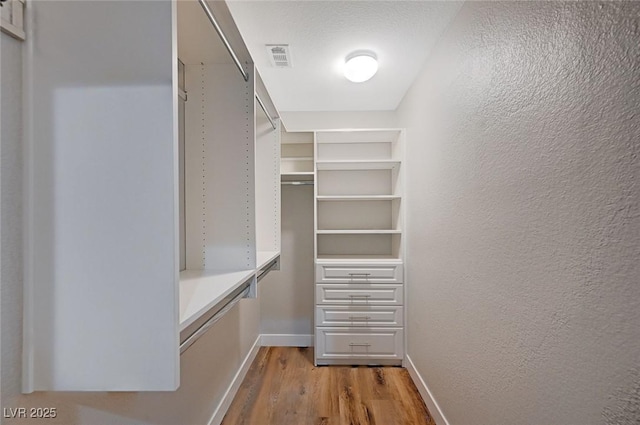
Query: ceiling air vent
point(279, 55)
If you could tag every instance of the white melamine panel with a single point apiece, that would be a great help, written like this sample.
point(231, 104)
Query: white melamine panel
point(296, 165)
point(181, 171)
point(358, 198)
point(372, 272)
point(200, 290)
point(358, 232)
point(298, 176)
point(357, 164)
point(220, 169)
point(358, 151)
point(369, 344)
point(367, 182)
point(297, 150)
point(304, 137)
point(101, 294)
point(361, 215)
point(267, 183)
point(297, 155)
point(359, 294)
point(358, 136)
point(367, 316)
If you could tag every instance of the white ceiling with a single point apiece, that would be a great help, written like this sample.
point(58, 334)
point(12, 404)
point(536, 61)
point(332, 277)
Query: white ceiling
point(321, 34)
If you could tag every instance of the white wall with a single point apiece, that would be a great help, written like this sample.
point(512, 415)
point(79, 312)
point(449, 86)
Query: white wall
point(524, 215)
point(286, 296)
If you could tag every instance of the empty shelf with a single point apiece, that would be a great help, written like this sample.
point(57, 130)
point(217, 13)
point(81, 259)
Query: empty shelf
point(358, 198)
point(355, 258)
point(359, 232)
point(357, 164)
point(201, 290)
point(296, 158)
point(265, 257)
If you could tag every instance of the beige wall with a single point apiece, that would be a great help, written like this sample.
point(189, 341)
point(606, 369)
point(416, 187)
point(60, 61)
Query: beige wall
point(524, 215)
point(286, 296)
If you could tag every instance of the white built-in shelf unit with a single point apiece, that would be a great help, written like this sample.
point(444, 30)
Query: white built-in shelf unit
point(359, 260)
point(296, 162)
point(359, 194)
point(154, 189)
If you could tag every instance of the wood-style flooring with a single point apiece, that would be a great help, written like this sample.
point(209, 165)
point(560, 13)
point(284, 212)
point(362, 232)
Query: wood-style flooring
point(283, 387)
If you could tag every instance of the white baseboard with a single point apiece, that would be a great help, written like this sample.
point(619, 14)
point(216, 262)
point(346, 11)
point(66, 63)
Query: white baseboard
point(431, 403)
point(286, 340)
point(227, 399)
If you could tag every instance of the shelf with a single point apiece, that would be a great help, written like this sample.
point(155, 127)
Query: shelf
point(358, 136)
point(297, 138)
point(354, 258)
point(359, 198)
point(201, 290)
point(358, 165)
point(298, 174)
point(359, 232)
point(297, 158)
point(265, 257)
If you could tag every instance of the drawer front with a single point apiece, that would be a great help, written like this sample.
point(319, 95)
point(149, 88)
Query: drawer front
point(366, 316)
point(359, 294)
point(345, 343)
point(359, 273)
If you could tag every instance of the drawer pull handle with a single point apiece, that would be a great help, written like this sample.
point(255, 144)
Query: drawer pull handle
point(361, 298)
point(364, 344)
point(357, 318)
point(362, 276)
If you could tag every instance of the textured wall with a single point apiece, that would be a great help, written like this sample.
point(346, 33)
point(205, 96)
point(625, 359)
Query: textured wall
point(524, 214)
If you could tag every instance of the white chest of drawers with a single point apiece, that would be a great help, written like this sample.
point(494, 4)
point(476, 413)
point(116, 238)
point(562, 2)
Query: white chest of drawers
point(359, 318)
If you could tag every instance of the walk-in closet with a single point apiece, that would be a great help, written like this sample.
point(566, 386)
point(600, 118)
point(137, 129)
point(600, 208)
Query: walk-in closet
point(261, 212)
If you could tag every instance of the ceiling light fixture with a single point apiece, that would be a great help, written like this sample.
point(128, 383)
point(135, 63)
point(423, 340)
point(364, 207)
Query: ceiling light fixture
point(360, 66)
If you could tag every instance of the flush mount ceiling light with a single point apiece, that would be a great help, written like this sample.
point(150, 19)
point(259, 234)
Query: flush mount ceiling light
point(360, 66)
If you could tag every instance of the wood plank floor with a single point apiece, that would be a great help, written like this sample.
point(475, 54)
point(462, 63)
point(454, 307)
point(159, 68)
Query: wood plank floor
point(283, 387)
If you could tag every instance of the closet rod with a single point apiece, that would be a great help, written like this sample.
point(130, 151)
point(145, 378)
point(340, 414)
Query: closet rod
point(241, 292)
point(294, 183)
point(226, 43)
point(264, 108)
point(267, 269)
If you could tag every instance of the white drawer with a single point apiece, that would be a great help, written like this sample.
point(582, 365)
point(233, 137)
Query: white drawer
point(358, 273)
point(369, 343)
point(365, 316)
point(359, 294)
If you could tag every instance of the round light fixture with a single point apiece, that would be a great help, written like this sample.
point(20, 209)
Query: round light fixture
point(360, 66)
